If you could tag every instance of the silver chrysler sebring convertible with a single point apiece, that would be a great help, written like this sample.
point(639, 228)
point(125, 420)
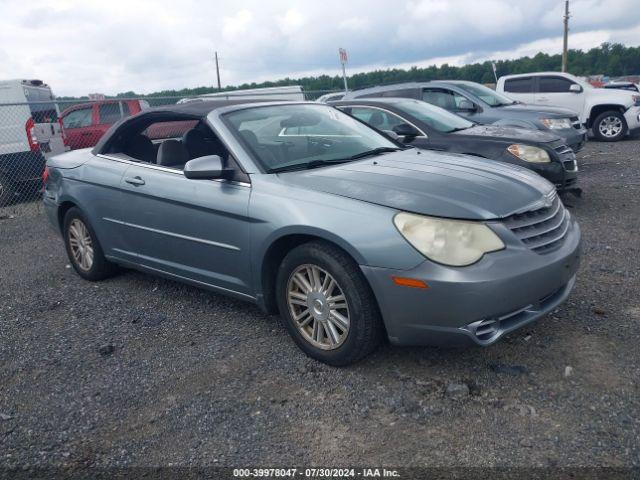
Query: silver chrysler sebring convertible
point(310, 213)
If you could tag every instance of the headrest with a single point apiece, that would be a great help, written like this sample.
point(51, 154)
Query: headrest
point(171, 153)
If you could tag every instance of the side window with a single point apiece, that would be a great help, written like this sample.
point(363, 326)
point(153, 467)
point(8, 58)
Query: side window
point(399, 93)
point(554, 84)
point(125, 109)
point(77, 118)
point(109, 113)
point(382, 120)
point(442, 98)
point(389, 93)
point(519, 85)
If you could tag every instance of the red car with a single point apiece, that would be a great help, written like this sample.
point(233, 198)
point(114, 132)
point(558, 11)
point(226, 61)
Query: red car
point(85, 123)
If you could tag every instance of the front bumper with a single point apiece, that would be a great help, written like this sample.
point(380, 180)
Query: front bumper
point(563, 174)
point(476, 305)
point(632, 117)
point(574, 138)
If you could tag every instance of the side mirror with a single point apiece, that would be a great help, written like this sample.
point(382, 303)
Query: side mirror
point(405, 130)
point(466, 106)
point(575, 88)
point(205, 168)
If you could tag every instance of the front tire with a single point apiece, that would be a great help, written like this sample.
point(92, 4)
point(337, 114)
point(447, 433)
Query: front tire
point(327, 305)
point(83, 248)
point(610, 126)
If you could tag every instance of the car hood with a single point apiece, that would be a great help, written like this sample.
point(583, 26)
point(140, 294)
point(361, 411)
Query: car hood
point(430, 183)
point(539, 110)
point(513, 134)
point(623, 97)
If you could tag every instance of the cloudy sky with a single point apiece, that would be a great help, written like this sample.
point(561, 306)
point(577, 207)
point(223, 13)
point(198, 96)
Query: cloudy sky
point(149, 45)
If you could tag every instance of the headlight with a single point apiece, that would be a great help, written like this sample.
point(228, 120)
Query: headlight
point(529, 153)
point(452, 242)
point(556, 123)
point(636, 100)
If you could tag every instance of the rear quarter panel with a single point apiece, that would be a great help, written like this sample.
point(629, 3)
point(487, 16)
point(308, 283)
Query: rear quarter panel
point(93, 185)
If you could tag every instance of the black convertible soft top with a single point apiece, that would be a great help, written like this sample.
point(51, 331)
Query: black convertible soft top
point(196, 110)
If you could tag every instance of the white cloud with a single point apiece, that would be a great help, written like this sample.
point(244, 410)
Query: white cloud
point(145, 45)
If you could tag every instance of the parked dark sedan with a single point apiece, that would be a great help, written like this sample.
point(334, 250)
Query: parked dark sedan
point(427, 126)
point(480, 104)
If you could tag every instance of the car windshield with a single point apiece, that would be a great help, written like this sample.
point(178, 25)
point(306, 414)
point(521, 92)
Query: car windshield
point(298, 136)
point(436, 117)
point(490, 97)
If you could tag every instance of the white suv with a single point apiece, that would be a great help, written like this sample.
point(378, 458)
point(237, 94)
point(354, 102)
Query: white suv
point(29, 134)
point(609, 113)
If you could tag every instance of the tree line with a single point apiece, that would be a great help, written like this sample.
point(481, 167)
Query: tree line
point(611, 59)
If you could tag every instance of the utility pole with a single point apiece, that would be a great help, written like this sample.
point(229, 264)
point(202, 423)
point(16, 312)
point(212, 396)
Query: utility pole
point(218, 71)
point(566, 36)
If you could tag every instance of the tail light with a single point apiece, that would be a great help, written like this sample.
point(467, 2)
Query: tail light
point(63, 133)
point(45, 176)
point(30, 127)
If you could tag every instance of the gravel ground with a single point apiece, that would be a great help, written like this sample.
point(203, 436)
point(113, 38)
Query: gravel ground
point(139, 371)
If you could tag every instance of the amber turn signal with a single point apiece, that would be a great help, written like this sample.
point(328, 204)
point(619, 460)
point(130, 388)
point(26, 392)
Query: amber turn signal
point(409, 282)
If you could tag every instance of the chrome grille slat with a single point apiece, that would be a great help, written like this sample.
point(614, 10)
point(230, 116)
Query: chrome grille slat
point(557, 222)
point(543, 242)
point(542, 230)
point(533, 218)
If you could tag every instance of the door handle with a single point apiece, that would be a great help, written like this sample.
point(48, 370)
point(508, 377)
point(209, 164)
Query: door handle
point(134, 181)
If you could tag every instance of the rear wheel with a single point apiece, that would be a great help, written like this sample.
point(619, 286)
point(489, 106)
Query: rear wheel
point(327, 305)
point(609, 126)
point(83, 248)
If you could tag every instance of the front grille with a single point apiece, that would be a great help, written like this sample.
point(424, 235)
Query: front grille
point(542, 230)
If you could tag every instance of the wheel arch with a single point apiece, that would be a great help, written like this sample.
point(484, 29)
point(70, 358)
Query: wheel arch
point(277, 248)
point(63, 208)
point(599, 109)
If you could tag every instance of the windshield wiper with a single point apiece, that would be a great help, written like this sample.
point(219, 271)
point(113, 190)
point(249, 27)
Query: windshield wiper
point(323, 163)
point(307, 165)
point(375, 151)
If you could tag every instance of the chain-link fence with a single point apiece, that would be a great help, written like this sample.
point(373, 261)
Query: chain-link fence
point(32, 132)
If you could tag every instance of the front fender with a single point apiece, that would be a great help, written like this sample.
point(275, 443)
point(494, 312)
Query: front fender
point(312, 231)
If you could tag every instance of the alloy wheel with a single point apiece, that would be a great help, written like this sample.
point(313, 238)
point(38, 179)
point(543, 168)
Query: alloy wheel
point(318, 307)
point(610, 126)
point(81, 244)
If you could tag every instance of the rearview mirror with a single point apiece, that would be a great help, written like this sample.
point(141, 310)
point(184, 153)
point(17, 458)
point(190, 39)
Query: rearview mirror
point(467, 106)
point(405, 130)
point(575, 88)
point(205, 168)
